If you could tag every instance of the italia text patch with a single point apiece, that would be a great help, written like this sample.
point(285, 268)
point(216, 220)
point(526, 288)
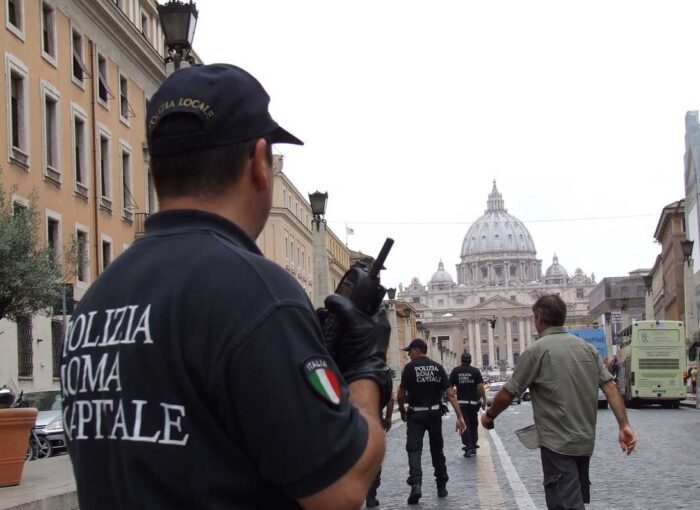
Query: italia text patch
point(320, 372)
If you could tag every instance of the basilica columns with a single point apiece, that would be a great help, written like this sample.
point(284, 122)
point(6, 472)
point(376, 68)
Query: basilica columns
point(479, 361)
point(509, 342)
point(492, 359)
point(528, 331)
point(521, 334)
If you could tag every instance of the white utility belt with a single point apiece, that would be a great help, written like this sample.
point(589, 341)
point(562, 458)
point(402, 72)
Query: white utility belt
point(469, 402)
point(429, 408)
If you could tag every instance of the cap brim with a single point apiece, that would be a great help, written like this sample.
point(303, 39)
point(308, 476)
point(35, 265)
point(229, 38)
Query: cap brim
point(281, 135)
point(406, 349)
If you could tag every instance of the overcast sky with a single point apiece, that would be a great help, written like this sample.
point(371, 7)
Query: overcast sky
point(409, 110)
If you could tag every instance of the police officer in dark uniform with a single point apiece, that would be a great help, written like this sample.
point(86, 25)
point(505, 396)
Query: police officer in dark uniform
point(194, 371)
point(470, 395)
point(423, 382)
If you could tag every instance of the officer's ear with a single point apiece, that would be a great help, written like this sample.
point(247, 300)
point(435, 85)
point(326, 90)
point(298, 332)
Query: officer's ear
point(261, 165)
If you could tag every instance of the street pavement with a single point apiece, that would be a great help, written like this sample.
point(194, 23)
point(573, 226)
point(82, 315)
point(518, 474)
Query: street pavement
point(661, 474)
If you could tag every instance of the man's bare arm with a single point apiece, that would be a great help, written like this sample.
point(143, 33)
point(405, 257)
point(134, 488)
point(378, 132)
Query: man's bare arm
point(388, 413)
point(482, 392)
point(500, 402)
point(349, 491)
point(627, 437)
point(460, 425)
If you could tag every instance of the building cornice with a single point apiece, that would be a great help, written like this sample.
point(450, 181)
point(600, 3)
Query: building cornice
point(285, 213)
point(125, 36)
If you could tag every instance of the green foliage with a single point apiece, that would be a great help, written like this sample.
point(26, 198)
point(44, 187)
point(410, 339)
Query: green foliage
point(30, 277)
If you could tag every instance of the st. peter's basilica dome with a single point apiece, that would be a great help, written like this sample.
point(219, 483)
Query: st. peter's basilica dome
point(498, 249)
point(497, 231)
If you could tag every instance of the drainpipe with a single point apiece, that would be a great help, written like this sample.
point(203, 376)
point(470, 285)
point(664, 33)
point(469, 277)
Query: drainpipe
point(95, 161)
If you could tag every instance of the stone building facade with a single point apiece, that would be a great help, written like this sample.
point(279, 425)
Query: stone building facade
point(77, 78)
point(288, 236)
point(669, 302)
point(498, 277)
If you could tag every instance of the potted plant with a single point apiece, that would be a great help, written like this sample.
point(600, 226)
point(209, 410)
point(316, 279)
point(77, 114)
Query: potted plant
point(15, 426)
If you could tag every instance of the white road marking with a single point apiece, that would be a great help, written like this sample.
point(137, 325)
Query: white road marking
point(522, 496)
point(487, 487)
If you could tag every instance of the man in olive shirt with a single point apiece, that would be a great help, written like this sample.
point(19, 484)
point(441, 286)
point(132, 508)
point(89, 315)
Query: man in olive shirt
point(563, 373)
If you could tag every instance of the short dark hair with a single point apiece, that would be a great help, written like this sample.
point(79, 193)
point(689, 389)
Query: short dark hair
point(203, 172)
point(551, 309)
point(466, 358)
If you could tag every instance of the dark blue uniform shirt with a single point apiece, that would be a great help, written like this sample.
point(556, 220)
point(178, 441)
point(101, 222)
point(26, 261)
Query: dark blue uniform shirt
point(467, 379)
point(195, 376)
point(424, 381)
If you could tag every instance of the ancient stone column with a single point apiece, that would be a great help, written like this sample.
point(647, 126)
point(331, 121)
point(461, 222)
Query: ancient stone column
point(509, 342)
point(477, 356)
point(492, 359)
point(528, 331)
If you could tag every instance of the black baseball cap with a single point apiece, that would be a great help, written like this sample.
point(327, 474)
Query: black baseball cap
point(417, 344)
point(230, 103)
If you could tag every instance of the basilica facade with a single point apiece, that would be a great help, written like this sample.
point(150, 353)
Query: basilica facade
point(487, 311)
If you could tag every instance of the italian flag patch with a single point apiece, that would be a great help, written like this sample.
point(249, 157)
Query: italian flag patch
point(319, 371)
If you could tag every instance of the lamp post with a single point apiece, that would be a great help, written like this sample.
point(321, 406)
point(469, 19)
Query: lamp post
point(691, 323)
point(179, 20)
point(321, 267)
point(318, 203)
point(393, 354)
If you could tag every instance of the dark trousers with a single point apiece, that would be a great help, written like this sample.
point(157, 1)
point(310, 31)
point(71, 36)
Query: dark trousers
point(416, 425)
point(375, 484)
point(471, 415)
point(566, 481)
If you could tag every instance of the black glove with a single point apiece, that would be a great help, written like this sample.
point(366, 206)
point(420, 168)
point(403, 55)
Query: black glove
point(360, 343)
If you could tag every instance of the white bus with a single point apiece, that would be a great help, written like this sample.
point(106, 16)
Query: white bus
point(650, 360)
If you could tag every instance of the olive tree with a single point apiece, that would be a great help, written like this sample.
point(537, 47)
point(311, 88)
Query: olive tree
point(31, 274)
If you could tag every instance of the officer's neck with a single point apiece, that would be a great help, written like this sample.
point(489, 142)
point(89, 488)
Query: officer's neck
point(224, 205)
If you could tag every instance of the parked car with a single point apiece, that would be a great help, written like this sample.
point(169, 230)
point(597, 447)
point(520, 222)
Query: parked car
point(495, 388)
point(49, 421)
point(526, 395)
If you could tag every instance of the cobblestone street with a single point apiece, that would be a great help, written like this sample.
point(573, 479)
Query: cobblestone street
point(661, 474)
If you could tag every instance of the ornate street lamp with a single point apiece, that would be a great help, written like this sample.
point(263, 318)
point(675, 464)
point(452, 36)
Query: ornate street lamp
point(318, 202)
point(687, 246)
point(648, 279)
point(391, 294)
point(179, 20)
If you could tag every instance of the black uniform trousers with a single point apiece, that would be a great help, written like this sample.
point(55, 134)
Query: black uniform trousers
point(566, 481)
point(416, 425)
point(471, 415)
point(375, 484)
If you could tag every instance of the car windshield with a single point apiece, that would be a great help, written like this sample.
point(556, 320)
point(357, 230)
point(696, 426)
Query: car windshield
point(44, 400)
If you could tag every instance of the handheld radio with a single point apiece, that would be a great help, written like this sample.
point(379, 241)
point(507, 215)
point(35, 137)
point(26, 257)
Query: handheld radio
point(362, 287)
